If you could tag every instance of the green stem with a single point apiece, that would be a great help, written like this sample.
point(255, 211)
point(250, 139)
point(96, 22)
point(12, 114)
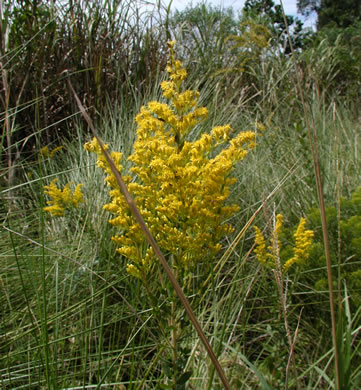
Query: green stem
point(174, 345)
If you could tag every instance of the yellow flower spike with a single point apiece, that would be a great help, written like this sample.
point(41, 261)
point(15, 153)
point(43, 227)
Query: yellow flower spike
point(302, 249)
point(171, 44)
point(261, 127)
point(77, 195)
point(132, 270)
point(52, 153)
point(62, 200)
point(260, 248)
point(279, 223)
point(56, 210)
point(46, 153)
point(180, 189)
point(266, 254)
point(221, 133)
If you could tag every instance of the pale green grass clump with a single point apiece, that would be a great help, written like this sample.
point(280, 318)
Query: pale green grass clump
point(72, 318)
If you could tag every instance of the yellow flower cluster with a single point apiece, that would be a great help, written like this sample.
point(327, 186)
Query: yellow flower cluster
point(267, 255)
point(179, 186)
point(62, 199)
point(303, 245)
point(46, 153)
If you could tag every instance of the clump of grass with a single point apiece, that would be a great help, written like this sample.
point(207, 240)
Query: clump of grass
point(72, 319)
point(111, 46)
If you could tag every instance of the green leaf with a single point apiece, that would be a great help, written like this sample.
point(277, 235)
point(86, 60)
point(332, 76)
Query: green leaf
point(182, 380)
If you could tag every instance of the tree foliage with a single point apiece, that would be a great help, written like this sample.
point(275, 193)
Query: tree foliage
point(201, 33)
point(306, 7)
point(332, 13)
point(266, 11)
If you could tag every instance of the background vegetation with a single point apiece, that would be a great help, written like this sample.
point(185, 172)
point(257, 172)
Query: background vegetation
point(72, 318)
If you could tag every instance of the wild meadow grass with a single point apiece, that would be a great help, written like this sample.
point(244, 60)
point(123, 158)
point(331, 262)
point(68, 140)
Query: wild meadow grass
point(73, 318)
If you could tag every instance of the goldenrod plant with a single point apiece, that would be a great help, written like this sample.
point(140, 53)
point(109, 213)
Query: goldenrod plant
point(181, 187)
point(62, 199)
point(45, 152)
point(267, 254)
point(270, 256)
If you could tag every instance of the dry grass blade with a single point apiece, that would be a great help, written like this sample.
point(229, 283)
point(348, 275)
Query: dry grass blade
point(312, 136)
point(155, 246)
point(84, 266)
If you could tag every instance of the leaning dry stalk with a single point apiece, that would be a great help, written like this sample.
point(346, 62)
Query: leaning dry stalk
point(312, 136)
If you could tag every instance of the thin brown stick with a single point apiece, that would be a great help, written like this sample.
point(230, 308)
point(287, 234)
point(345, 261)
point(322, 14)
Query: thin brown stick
point(291, 355)
point(312, 136)
point(152, 242)
point(282, 286)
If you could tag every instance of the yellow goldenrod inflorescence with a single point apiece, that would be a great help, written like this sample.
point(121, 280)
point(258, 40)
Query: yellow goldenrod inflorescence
point(302, 249)
point(268, 255)
point(62, 199)
point(180, 186)
point(260, 247)
point(46, 153)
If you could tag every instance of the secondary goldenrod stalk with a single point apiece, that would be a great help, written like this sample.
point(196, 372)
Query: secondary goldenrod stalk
point(62, 199)
point(269, 256)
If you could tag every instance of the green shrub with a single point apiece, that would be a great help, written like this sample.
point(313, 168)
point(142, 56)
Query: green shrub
point(332, 61)
point(344, 228)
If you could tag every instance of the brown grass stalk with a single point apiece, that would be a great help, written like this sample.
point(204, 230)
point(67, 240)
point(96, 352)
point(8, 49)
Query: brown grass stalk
point(312, 137)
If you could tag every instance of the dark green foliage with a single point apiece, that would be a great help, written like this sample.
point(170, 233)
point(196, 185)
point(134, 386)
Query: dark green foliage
point(344, 228)
point(270, 14)
point(108, 49)
point(170, 370)
point(337, 13)
point(332, 13)
point(306, 7)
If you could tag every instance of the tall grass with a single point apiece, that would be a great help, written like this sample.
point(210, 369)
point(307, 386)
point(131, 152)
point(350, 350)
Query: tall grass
point(71, 317)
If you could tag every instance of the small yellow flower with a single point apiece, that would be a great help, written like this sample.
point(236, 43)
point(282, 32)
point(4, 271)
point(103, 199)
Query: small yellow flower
point(260, 126)
point(62, 199)
point(267, 255)
point(46, 153)
point(260, 246)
